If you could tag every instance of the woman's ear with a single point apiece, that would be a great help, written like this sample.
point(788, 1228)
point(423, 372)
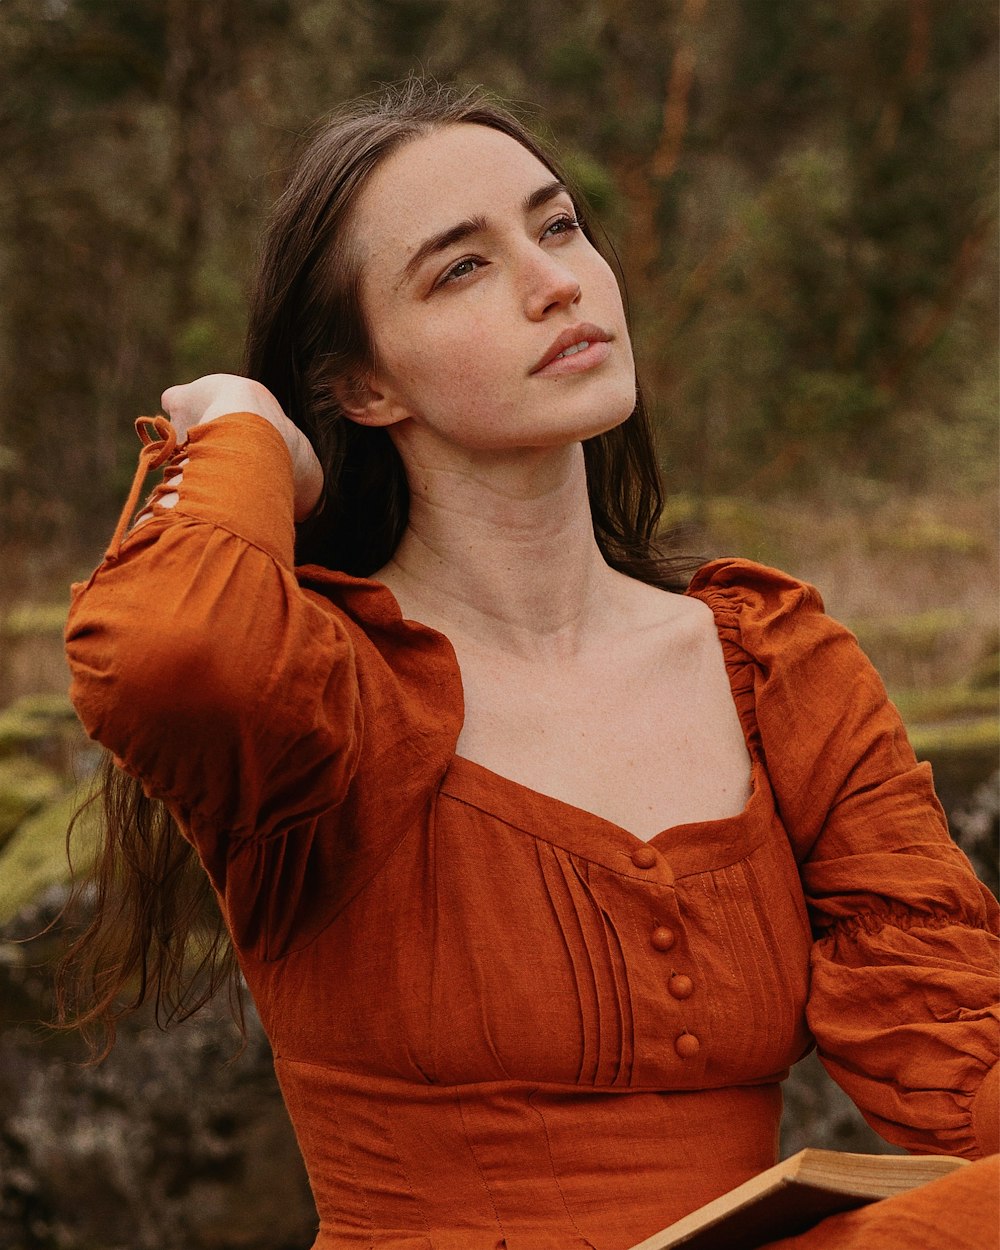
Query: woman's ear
point(365, 403)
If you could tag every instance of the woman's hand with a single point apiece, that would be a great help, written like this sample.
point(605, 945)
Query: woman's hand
point(217, 394)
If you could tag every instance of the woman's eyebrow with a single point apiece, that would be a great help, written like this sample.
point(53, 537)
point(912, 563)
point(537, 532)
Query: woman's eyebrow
point(542, 196)
point(473, 225)
point(440, 242)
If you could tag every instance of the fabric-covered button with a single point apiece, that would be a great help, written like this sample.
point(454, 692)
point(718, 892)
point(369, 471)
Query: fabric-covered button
point(644, 857)
point(681, 986)
point(687, 1045)
point(662, 938)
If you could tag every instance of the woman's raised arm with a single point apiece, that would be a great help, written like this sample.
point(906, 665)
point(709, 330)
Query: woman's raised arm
point(196, 658)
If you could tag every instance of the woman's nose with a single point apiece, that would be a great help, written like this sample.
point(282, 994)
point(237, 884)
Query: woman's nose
point(550, 285)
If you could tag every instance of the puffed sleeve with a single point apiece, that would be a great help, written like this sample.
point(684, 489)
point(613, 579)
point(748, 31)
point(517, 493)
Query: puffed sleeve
point(198, 660)
point(904, 985)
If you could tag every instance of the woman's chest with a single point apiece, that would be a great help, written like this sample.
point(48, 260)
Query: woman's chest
point(511, 937)
point(645, 738)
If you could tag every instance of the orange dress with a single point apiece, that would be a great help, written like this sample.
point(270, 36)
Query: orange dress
point(497, 1019)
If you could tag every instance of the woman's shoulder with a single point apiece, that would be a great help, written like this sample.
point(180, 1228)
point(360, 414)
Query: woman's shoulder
point(745, 584)
point(777, 620)
point(749, 606)
point(762, 604)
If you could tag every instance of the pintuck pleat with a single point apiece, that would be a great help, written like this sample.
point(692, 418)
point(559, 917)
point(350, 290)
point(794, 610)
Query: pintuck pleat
point(605, 1024)
point(574, 928)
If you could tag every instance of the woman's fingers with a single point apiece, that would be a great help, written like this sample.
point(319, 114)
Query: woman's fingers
point(215, 395)
point(218, 394)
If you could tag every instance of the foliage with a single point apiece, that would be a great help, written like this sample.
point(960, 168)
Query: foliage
point(35, 856)
point(802, 195)
point(25, 785)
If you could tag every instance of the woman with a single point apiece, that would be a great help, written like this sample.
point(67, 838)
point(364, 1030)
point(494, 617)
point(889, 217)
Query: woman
point(539, 872)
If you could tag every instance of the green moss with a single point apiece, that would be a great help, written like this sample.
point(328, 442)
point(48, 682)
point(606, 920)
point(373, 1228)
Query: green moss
point(913, 632)
point(736, 526)
point(963, 756)
point(34, 618)
point(981, 734)
point(985, 676)
point(932, 535)
point(32, 719)
point(574, 64)
point(54, 707)
point(25, 785)
point(593, 180)
point(35, 856)
point(944, 703)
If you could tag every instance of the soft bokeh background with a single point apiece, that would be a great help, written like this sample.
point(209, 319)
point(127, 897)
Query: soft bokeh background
point(802, 193)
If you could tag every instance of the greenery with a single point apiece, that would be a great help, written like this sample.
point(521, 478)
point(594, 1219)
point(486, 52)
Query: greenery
point(802, 194)
point(34, 858)
point(24, 786)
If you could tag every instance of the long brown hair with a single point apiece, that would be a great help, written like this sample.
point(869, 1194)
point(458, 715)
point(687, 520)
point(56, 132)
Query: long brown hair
point(306, 333)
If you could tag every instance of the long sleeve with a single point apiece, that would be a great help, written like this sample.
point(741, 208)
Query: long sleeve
point(904, 982)
point(198, 660)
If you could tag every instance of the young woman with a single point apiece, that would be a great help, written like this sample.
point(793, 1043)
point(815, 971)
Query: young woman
point(541, 873)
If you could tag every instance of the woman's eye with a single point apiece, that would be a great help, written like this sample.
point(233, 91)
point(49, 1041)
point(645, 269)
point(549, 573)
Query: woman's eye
point(461, 269)
point(565, 224)
point(562, 225)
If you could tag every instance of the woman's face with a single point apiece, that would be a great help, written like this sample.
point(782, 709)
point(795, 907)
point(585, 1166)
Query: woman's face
point(475, 274)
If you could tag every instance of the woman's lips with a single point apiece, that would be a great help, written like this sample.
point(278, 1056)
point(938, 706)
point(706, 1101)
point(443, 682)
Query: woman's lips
point(572, 339)
point(594, 354)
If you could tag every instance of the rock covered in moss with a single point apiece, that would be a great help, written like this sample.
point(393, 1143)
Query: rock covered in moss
point(25, 784)
point(171, 1144)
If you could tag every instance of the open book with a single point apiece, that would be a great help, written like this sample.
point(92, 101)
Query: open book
point(796, 1194)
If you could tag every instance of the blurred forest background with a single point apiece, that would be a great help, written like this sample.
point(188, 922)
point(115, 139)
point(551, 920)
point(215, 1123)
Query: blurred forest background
point(803, 197)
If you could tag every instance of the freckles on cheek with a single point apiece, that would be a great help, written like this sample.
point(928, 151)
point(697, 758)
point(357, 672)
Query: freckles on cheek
point(448, 366)
point(455, 370)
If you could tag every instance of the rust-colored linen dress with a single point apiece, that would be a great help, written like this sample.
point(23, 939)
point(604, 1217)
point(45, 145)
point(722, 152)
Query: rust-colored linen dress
point(497, 1019)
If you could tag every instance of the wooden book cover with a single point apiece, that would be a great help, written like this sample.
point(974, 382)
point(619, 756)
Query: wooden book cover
point(796, 1194)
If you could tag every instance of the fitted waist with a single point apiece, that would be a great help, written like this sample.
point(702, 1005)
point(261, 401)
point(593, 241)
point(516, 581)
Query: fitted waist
point(407, 1166)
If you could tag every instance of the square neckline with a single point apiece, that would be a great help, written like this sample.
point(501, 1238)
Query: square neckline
point(467, 780)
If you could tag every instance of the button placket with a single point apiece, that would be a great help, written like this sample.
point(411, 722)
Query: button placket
point(679, 984)
point(663, 938)
point(680, 987)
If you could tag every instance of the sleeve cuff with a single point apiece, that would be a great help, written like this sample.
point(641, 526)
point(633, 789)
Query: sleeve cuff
point(239, 477)
point(986, 1113)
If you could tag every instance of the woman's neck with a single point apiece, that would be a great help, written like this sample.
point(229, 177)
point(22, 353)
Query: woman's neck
point(503, 554)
